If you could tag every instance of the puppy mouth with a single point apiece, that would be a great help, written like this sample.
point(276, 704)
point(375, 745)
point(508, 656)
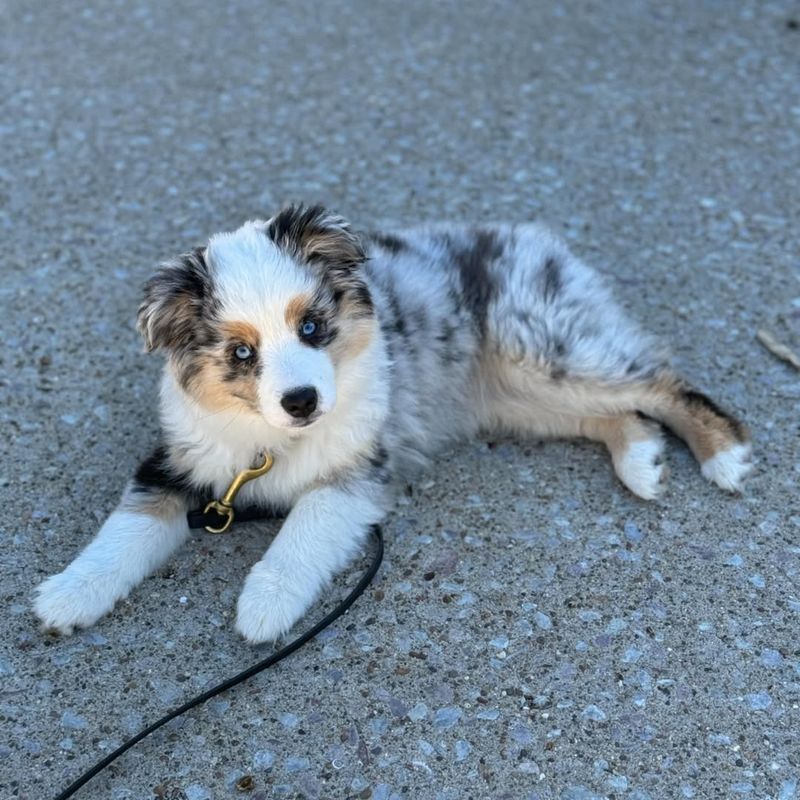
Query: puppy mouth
point(308, 421)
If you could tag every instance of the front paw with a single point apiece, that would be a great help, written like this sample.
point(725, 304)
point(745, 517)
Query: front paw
point(67, 601)
point(270, 604)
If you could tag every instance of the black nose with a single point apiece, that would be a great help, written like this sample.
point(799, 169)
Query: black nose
point(301, 402)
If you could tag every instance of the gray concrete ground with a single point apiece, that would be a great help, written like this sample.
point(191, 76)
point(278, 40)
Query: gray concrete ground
point(536, 632)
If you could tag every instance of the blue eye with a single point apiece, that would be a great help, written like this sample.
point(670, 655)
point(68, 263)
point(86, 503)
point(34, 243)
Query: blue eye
point(308, 328)
point(243, 352)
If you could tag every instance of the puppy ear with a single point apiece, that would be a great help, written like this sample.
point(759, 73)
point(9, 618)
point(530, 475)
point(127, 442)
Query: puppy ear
point(174, 300)
point(316, 235)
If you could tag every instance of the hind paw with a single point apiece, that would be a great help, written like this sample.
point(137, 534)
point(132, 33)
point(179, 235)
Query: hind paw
point(641, 468)
point(729, 468)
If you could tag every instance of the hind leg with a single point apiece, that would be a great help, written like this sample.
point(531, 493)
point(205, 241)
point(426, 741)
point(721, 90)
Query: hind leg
point(616, 414)
point(635, 443)
point(637, 450)
point(557, 343)
point(719, 442)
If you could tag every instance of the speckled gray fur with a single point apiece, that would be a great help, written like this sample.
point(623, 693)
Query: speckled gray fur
point(456, 303)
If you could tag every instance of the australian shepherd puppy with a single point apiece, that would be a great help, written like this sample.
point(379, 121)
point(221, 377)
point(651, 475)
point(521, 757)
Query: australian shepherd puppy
point(353, 359)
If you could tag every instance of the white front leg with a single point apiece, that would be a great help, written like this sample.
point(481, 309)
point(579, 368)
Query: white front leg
point(323, 532)
point(145, 529)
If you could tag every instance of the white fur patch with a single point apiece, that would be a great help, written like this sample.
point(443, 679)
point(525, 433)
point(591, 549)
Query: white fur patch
point(729, 468)
point(125, 551)
point(321, 534)
point(641, 470)
point(271, 602)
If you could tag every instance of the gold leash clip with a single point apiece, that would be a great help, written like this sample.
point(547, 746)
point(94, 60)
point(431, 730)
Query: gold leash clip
point(224, 506)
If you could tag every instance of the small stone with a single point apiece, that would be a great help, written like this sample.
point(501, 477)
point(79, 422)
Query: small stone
point(594, 713)
point(705, 626)
point(631, 655)
point(69, 719)
point(463, 749)
point(632, 532)
point(219, 707)
point(580, 793)
point(426, 747)
point(719, 739)
point(769, 525)
point(246, 783)
point(543, 621)
point(521, 734)
point(94, 638)
point(759, 701)
point(447, 717)
point(617, 625)
point(397, 707)
point(263, 759)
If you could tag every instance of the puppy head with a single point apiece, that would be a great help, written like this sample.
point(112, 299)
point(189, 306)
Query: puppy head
point(264, 319)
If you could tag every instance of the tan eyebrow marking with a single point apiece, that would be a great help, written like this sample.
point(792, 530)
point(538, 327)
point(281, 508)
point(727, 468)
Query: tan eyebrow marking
point(242, 332)
point(296, 309)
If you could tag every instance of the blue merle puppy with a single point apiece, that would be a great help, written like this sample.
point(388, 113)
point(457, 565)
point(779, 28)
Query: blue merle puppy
point(354, 359)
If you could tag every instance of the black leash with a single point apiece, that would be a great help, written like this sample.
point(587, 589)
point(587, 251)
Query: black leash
point(337, 612)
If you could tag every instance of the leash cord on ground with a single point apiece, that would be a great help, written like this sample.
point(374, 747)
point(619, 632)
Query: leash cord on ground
point(290, 648)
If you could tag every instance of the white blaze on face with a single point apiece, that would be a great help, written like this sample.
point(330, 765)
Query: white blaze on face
point(255, 283)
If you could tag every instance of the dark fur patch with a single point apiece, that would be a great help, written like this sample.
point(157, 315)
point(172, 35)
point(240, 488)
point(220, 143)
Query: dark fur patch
point(362, 296)
point(379, 469)
point(325, 241)
point(477, 285)
point(697, 401)
point(447, 333)
point(314, 234)
point(178, 304)
point(552, 282)
point(325, 334)
point(325, 305)
point(188, 368)
point(155, 473)
point(398, 322)
point(642, 371)
point(379, 457)
point(236, 369)
point(388, 241)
